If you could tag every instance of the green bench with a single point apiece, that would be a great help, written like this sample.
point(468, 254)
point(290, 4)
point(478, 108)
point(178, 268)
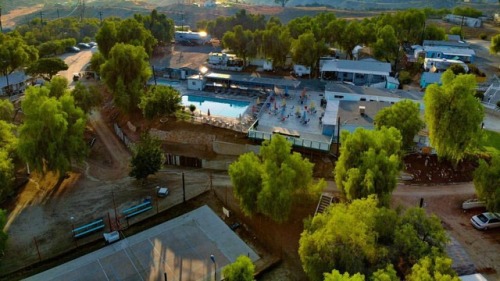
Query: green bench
point(138, 209)
point(89, 228)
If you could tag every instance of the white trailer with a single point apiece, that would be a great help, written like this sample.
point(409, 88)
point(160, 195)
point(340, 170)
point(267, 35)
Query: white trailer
point(301, 70)
point(194, 38)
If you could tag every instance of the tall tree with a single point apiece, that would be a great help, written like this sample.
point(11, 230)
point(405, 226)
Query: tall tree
point(240, 41)
point(241, 270)
point(271, 182)
point(106, 37)
point(6, 110)
point(52, 133)
point(495, 44)
point(8, 139)
point(387, 46)
point(404, 116)
point(161, 27)
point(369, 163)
point(160, 101)
point(15, 53)
point(147, 157)
point(8, 144)
point(453, 115)
point(307, 50)
point(281, 2)
point(434, 32)
point(386, 274)
point(126, 73)
point(352, 35)
point(47, 67)
point(131, 32)
point(487, 182)
point(342, 238)
point(436, 268)
point(86, 98)
point(58, 86)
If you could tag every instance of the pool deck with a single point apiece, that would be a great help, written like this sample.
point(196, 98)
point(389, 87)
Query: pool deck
point(263, 108)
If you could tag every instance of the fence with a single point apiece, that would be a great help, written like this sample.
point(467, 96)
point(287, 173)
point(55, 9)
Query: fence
point(299, 142)
point(119, 132)
point(59, 240)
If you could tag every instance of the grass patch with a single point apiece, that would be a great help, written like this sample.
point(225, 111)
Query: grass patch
point(491, 141)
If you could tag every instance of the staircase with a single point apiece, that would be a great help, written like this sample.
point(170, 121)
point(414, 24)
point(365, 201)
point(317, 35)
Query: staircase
point(324, 201)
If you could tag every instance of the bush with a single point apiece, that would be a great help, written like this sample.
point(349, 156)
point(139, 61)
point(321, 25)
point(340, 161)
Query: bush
point(457, 69)
point(474, 70)
point(483, 36)
point(479, 95)
point(404, 77)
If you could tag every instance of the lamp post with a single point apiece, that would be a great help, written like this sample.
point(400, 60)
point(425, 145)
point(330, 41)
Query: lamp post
point(212, 257)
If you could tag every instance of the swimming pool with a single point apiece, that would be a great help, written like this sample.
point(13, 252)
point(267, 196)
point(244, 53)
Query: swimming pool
point(163, 82)
point(217, 106)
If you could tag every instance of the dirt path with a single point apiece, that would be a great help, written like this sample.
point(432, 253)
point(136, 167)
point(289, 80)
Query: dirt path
point(8, 20)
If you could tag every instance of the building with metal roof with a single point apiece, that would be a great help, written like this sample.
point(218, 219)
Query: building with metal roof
point(369, 72)
point(447, 43)
point(13, 83)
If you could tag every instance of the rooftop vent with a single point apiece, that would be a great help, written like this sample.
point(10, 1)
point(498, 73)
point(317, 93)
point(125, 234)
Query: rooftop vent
point(362, 110)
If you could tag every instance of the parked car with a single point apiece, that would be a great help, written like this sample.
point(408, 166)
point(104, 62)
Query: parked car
point(73, 49)
point(473, 203)
point(76, 76)
point(84, 46)
point(486, 220)
point(92, 44)
point(162, 191)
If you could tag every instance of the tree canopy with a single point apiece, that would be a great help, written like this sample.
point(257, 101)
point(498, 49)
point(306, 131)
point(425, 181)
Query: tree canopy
point(160, 101)
point(147, 157)
point(495, 44)
point(85, 97)
point(161, 27)
point(433, 268)
point(453, 115)
point(47, 67)
point(404, 116)
point(3, 235)
point(241, 42)
point(270, 182)
point(487, 182)
point(6, 110)
point(241, 270)
point(337, 276)
point(52, 133)
point(363, 238)
point(386, 47)
point(369, 163)
point(126, 73)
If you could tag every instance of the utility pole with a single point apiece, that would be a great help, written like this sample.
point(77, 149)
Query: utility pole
point(82, 14)
point(100, 16)
point(57, 13)
point(41, 18)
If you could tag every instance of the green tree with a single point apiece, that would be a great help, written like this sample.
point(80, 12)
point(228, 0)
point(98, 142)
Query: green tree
point(467, 12)
point(6, 169)
point(6, 110)
point(281, 2)
point(386, 47)
point(453, 115)
point(352, 35)
point(161, 27)
point(240, 41)
point(271, 182)
point(15, 53)
point(416, 236)
point(456, 30)
point(52, 133)
point(342, 238)
point(160, 101)
point(47, 67)
point(307, 50)
point(147, 157)
point(58, 86)
point(434, 32)
point(86, 98)
point(457, 69)
point(106, 37)
point(125, 73)
point(404, 116)
point(369, 163)
point(487, 182)
point(8, 140)
point(3, 235)
point(386, 274)
point(337, 276)
point(241, 270)
point(495, 44)
point(433, 268)
point(96, 61)
point(131, 32)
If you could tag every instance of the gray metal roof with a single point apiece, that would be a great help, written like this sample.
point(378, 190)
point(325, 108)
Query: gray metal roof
point(253, 80)
point(349, 112)
point(456, 44)
point(345, 88)
point(14, 78)
point(353, 66)
point(450, 50)
point(331, 113)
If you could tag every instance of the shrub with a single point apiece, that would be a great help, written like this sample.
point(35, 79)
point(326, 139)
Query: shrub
point(457, 69)
point(479, 95)
point(404, 77)
point(474, 70)
point(483, 36)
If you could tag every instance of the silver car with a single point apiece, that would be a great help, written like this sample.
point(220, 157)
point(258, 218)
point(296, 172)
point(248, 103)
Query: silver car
point(486, 220)
point(473, 203)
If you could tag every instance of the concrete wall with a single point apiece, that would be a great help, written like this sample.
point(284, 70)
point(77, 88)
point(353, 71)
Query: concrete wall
point(226, 148)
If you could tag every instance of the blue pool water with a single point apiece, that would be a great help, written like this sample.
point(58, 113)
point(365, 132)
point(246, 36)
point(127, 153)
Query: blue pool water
point(217, 106)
